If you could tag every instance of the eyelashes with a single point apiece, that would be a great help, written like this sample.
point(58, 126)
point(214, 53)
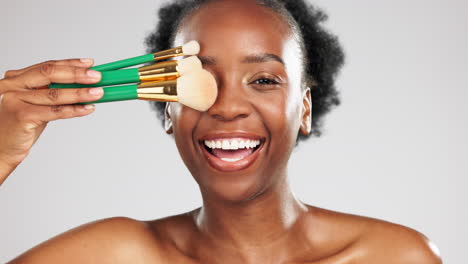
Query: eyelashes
point(265, 81)
point(261, 80)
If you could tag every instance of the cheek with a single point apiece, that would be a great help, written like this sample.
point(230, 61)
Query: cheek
point(280, 112)
point(183, 118)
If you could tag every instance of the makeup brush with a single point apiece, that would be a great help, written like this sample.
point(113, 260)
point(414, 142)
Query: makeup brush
point(190, 48)
point(196, 89)
point(157, 72)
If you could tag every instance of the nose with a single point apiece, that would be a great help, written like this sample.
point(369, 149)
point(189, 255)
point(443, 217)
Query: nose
point(231, 104)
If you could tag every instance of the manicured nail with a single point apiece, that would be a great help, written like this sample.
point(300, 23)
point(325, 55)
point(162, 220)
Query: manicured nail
point(96, 91)
point(93, 74)
point(87, 61)
point(89, 107)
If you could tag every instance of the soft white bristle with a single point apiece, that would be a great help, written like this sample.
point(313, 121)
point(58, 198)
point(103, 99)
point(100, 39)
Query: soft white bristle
point(191, 48)
point(188, 64)
point(197, 90)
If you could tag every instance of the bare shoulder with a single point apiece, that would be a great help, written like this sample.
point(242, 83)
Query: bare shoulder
point(112, 240)
point(370, 240)
point(398, 244)
point(176, 233)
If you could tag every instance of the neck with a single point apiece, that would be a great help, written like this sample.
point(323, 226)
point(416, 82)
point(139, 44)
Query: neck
point(262, 221)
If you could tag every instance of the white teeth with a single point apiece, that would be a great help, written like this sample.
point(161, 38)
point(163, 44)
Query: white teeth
point(234, 145)
point(241, 144)
point(226, 145)
point(231, 144)
point(230, 160)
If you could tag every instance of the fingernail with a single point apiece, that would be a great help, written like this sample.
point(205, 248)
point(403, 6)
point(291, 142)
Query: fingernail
point(93, 74)
point(96, 91)
point(87, 61)
point(89, 107)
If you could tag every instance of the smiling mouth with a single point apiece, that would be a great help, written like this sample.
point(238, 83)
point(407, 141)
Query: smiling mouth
point(231, 154)
point(232, 150)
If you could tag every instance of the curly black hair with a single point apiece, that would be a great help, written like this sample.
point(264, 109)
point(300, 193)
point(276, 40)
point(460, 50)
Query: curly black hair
point(323, 53)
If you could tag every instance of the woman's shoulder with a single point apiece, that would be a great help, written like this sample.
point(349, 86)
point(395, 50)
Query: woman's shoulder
point(377, 241)
point(111, 240)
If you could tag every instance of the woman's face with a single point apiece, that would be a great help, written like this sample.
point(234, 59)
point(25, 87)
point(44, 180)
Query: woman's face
point(240, 147)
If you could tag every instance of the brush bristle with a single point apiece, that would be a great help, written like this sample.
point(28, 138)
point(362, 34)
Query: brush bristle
point(197, 90)
point(189, 64)
point(191, 48)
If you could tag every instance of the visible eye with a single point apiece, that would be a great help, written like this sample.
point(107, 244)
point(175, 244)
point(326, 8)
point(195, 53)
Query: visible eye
point(266, 81)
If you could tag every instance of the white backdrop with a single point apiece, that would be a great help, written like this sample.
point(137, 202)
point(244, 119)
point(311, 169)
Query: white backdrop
point(395, 149)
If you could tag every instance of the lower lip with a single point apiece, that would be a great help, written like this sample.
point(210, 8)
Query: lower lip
point(226, 166)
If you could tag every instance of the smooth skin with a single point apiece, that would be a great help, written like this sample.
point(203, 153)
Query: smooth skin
point(248, 216)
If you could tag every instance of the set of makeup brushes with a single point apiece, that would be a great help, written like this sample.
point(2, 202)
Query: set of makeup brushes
point(183, 81)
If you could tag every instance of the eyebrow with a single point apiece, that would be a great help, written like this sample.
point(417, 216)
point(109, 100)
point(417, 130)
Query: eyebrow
point(255, 58)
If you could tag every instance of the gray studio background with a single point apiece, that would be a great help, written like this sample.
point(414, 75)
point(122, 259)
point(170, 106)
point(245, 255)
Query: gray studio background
point(395, 149)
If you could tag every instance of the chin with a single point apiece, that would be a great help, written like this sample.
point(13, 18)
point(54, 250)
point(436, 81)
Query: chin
point(234, 189)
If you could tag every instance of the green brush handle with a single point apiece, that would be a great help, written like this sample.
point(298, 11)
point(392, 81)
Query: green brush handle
point(108, 78)
point(124, 63)
point(117, 93)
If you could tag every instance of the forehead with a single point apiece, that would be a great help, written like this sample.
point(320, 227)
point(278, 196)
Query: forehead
point(235, 27)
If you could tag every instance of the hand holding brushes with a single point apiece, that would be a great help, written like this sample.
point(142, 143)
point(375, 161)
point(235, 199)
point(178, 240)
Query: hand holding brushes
point(182, 81)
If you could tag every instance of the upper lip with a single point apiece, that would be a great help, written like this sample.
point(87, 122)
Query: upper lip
point(235, 134)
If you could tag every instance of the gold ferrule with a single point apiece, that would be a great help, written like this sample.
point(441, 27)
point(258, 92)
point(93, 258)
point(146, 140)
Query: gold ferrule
point(159, 72)
point(165, 91)
point(146, 77)
point(161, 67)
point(170, 53)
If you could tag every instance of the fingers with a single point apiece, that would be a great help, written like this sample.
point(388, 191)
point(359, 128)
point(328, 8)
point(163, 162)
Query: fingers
point(46, 74)
point(59, 96)
point(85, 63)
point(25, 110)
point(42, 74)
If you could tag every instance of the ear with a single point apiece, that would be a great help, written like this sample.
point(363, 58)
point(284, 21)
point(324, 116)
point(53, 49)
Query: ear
point(168, 119)
point(306, 121)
